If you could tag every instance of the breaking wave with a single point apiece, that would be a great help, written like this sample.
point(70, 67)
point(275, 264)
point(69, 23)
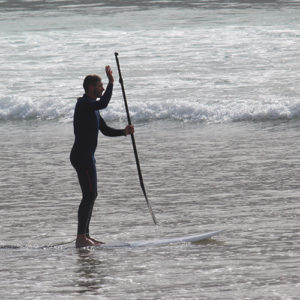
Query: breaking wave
point(217, 112)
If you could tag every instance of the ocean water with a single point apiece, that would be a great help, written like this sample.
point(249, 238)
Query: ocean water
point(213, 90)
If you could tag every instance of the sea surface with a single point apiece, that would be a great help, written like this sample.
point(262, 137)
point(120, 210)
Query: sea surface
point(213, 91)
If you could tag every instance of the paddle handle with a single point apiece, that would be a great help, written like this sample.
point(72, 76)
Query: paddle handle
point(123, 89)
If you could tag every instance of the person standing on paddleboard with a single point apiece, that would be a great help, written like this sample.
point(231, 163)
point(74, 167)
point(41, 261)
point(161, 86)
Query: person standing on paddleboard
point(87, 121)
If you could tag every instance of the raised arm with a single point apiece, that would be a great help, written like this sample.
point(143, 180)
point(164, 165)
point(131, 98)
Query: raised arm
point(104, 100)
point(97, 92)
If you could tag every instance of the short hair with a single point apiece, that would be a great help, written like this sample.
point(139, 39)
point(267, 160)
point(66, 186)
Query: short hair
point(90, 80)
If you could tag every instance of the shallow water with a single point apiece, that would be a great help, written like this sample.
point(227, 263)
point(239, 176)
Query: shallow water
point(240, 177)
point(213, 91)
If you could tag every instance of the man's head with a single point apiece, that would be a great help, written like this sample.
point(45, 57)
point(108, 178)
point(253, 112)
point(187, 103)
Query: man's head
point(93, 86)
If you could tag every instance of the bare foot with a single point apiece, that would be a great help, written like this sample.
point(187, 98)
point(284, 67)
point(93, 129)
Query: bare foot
point(97, 243)
point(83, 241)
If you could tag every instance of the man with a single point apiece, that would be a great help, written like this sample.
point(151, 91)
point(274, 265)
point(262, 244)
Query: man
point(87, 121)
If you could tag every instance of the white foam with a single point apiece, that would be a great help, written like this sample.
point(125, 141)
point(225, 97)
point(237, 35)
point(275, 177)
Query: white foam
point(195, 68)
point(212, 113)
point(24, 108)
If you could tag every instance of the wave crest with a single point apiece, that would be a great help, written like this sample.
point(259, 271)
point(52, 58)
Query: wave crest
point(218, 112)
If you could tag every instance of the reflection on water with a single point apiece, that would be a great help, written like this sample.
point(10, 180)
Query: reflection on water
point(89, 272)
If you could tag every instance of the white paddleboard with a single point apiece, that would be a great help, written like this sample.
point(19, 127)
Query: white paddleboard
point(158, 242)
point(133, 244)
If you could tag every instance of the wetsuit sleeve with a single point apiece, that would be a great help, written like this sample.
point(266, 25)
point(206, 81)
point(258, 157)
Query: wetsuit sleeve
point(108, 131)
point(104, 100)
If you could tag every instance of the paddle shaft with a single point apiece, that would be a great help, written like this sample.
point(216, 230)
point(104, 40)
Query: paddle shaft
point(133, 142)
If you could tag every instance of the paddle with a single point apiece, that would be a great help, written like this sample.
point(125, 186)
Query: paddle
point(133, 142)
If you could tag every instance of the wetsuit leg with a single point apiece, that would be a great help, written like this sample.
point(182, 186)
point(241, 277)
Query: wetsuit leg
point(88, 182)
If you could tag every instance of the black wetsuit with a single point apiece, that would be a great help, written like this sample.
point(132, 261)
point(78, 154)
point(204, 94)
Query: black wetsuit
point(87, 121)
